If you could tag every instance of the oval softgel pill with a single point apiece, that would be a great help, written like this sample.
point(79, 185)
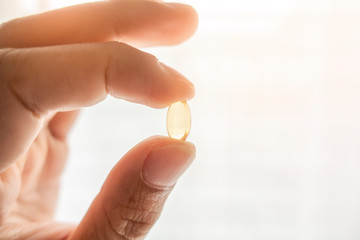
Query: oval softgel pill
point(178, 120)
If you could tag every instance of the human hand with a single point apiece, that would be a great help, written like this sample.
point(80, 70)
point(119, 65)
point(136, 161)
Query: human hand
point(55, 63)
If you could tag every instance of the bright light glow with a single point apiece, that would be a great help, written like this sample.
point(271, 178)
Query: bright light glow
point(275, 121)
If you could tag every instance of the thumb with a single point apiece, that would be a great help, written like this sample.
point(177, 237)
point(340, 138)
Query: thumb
point(135, 191)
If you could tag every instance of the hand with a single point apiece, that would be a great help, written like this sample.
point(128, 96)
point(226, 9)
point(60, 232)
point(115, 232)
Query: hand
point(55, 63)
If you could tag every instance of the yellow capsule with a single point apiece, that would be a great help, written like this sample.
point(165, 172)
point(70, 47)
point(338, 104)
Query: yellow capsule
point(178, 121)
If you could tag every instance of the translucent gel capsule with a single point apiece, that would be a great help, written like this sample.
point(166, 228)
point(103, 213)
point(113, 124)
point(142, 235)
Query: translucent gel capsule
point(178, 121)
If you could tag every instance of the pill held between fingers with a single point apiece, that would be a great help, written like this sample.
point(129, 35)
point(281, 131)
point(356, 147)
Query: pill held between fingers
point(178, 120)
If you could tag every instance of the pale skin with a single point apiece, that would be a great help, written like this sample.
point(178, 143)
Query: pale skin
point(53, 64)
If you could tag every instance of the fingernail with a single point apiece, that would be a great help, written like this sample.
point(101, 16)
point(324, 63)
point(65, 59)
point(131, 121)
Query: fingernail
point(177, 77)
point(164, 165)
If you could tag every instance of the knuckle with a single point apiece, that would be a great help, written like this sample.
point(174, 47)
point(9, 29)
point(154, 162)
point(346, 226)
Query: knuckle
point(15, 83)
point(129, 72)
point(131, 223)
point(112, 50)
point(134, 219)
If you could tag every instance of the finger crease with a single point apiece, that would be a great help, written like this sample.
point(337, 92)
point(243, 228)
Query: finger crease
point(35, 113)
point(115, 29)
point(113, 229)
point(107, 75)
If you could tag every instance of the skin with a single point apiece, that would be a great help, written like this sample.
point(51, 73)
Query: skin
point(54, 63)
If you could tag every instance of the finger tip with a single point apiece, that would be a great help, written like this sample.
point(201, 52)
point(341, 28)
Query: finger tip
point(190, 92)
point(191, 18)
point(194, 18)
point(165, 100)
point(166, 162)
point(158, 141)
point(185, 22)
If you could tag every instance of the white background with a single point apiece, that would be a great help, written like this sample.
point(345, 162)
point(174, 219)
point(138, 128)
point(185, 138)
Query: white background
point(275, 121)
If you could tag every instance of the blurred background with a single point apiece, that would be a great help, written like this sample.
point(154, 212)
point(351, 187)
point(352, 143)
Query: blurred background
point(275, 122)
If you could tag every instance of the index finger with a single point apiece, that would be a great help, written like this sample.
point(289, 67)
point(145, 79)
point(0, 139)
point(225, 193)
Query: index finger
point(72, 76)
point(36, 81)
